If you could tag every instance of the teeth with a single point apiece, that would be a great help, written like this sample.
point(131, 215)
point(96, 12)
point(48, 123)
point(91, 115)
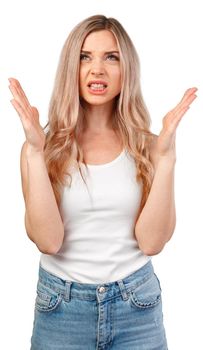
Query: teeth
point(97, 86)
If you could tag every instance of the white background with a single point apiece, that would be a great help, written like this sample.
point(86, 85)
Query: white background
point(168, 38)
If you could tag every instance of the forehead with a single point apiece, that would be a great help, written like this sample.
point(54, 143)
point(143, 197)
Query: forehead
point(102, 40)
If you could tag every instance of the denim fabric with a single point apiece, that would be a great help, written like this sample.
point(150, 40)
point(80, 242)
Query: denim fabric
point(121, 315)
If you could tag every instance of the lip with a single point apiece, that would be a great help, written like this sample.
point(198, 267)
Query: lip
point(97, 92)
point(97, 82)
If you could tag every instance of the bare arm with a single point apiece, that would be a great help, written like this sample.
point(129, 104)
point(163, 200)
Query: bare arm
point(43, 222)
point(157, 220)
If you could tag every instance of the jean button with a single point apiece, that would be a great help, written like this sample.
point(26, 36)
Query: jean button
point(102, 289)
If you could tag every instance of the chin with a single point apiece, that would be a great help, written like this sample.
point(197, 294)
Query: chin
point(98, 100)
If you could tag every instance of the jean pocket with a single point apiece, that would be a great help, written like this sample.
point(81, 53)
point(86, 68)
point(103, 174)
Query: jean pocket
point(47, 299)
point(147, 295)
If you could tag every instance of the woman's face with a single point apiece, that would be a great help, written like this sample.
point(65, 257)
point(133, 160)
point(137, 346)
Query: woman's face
point(99, 62)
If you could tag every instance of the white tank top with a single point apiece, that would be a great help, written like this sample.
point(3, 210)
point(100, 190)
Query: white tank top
point(99, 244)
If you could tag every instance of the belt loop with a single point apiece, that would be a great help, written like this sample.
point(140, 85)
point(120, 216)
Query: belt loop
point(67, 290)
point(123, 289)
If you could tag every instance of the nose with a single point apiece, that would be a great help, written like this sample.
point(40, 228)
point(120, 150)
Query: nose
point(97, 67)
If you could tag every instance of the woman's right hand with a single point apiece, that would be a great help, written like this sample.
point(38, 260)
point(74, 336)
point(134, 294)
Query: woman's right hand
point(29, 117)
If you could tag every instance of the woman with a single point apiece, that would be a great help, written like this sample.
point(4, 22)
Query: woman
point(93, 189)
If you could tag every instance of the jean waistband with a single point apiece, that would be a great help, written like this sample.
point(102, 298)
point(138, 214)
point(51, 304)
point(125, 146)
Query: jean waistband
point(101, 292)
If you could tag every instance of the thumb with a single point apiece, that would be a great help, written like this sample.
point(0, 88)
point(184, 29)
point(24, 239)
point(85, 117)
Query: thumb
point(35, 113)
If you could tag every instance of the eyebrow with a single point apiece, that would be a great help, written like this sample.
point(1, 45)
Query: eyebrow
point(107, 52)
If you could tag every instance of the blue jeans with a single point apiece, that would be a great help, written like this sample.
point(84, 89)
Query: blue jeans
point(121, 315)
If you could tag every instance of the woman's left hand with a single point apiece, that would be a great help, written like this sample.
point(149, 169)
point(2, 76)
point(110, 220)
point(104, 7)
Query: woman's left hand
point(165, 142)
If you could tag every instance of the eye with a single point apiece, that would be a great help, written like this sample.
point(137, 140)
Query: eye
point(83, 56)
point(115, 57)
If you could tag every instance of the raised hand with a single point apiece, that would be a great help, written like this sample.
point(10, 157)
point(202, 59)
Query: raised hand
point(29, 116)
point(165, 143)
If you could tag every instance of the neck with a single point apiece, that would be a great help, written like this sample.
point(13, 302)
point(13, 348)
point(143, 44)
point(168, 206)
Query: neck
point(99, 118)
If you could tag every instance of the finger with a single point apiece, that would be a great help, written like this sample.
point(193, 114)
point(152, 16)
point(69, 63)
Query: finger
point(21, 91)
point(18, 99)
point(35, 113)
point(21, 101)
point(17, 89)
point(15, 92)
point(186, 103)
point(175, 121)
point(181, 112)
point(19, 109)
point(187, 94)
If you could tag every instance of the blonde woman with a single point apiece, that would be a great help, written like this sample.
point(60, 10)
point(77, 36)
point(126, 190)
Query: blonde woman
point(99, 196)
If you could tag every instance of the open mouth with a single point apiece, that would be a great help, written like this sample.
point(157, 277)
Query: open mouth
point(97, 87)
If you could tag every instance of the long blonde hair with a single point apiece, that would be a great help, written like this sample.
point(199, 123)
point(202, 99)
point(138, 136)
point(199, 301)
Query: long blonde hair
point(66, 115)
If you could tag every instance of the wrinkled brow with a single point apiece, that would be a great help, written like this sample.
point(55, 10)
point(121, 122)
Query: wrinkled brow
point(107, 52)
